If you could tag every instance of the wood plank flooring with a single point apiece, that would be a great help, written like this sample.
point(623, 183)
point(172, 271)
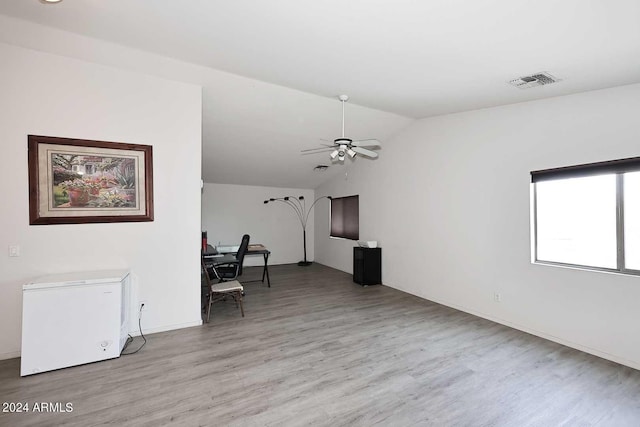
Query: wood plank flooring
point(317, 349)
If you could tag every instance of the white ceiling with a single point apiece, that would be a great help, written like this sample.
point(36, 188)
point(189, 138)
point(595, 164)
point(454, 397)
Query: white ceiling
point(408, 57)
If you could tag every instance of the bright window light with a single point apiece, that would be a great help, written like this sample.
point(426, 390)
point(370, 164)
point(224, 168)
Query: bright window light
point(576, 221)
point(588, 216)
point(632, 220)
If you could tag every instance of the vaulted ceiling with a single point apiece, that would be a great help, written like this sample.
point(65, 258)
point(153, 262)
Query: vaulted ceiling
point(398, 60)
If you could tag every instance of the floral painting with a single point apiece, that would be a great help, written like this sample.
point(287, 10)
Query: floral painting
point(75, 181)
point(93, 181)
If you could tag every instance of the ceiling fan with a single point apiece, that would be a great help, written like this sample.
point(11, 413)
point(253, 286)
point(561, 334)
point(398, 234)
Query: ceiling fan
point(343, 146)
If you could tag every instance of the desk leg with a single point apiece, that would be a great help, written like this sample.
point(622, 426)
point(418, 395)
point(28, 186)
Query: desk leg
point(265, 270)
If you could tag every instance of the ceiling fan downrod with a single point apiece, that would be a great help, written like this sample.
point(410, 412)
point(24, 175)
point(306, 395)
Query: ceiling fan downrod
point(343, 99)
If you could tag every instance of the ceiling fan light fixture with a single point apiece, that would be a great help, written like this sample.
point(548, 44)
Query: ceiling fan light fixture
point(343, 145)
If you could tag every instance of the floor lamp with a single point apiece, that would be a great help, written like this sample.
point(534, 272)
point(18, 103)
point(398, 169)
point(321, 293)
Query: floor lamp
point(299, 205)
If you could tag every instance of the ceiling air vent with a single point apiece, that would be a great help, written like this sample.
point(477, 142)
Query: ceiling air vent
point(538, 79)
point(321, 168)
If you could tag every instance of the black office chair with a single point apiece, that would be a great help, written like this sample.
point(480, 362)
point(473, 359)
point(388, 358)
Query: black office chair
point(231, 270)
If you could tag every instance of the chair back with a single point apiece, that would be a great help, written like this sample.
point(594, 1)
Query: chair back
point(206, 272)
point(242, 251)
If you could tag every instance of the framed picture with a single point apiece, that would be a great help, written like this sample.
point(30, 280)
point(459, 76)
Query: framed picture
point(77, 181)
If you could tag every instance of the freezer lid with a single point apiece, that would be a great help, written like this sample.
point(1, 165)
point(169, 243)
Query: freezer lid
point(76, 278)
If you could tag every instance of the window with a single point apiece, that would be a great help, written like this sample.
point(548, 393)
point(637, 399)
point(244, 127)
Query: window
point(588, 215)
point(345, 217)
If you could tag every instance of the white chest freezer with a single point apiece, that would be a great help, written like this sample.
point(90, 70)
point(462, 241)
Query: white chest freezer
point(73, 318)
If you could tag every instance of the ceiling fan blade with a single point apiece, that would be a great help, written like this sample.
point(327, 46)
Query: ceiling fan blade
point(366, 143)
point(365, 152)
point(327, 148)
point(326, 142)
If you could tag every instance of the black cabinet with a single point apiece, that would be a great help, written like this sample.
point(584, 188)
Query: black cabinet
point(367, 266)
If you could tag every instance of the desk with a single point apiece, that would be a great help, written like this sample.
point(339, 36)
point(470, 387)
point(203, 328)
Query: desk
point(253, 250)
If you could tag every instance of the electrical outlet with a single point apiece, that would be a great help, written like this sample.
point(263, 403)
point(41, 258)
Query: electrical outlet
point(497, 297)
point(14, 250)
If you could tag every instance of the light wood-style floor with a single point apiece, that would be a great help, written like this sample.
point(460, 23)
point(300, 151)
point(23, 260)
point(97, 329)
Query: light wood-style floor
point(317, 349)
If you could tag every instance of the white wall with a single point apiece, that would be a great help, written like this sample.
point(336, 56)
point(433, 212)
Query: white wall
point(44, 94)
point(235, 108)
point(229, 211)
point(448, 201)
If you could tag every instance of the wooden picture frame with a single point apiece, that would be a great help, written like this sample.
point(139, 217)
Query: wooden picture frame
point(78, 181)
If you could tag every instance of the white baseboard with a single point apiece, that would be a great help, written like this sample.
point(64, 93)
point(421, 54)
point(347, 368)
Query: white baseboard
point(135, 333)
point(165, 328)
point(9, 355)
point(603, 354)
